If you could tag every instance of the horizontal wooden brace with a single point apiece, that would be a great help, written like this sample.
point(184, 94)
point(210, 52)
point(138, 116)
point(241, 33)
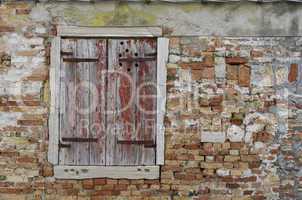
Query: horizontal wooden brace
point(75, 139)
point(80, 59)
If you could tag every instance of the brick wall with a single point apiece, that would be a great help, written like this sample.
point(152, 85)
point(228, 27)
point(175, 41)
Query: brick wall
point(232, 123)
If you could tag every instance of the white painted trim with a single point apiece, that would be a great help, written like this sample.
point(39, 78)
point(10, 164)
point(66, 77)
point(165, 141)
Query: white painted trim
point(75, 31)
point(125, 172)
point(54, 77)
point(162, 59)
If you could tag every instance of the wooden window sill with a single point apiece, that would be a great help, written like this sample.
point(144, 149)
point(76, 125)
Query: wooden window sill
point(115, 172)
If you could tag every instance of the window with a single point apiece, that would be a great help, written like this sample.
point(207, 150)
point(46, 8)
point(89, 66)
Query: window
point(107, 102)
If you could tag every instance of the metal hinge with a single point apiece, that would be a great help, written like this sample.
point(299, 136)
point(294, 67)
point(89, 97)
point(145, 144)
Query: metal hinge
point(146, 143)
point(76, 139)
point(80, 59)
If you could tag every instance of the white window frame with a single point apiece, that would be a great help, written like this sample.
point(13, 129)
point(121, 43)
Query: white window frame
point(128, 172)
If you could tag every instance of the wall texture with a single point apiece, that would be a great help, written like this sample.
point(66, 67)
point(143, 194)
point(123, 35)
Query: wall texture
point(233, 121)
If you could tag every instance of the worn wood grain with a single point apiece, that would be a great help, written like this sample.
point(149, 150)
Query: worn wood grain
point(128, 154)
point(122, 90)
point(162, 59)
point(77, 31)
point(53, 139)
point(111, 125)
point(98, 103)
point(146, 98)
point(83, 50)
point(67, 103)
point(125, 172)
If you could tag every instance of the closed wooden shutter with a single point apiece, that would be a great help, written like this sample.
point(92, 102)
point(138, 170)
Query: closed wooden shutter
point(107, 111)
point(133, 137)
point(82, 102)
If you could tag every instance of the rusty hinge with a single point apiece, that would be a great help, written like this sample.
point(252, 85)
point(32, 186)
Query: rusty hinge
point(62, 145)
point(80, 59)
point(142, 59)
point(67, 53)
point(146, 143)
point(75, 139)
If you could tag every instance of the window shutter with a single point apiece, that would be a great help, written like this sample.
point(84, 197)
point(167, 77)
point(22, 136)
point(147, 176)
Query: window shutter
point(82, 102)
point(131, 140)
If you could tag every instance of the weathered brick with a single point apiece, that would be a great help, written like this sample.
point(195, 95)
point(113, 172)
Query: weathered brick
point(244, 75)
point(88, 184)
point(256, 53)
point(293, 73)
point(26, 159)
point(47, 170)
point(235, 60)
point(232, 72)
point(204, 73)
point(100, 181)
point(210, 165)
point(30, 122)
point(23, 11)
point(4, 29)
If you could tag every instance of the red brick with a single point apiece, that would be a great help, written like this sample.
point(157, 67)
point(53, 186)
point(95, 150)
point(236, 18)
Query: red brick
point(23, 11)
point(235, 60)
point(256, 54)
point(8, 154)
point(236, 145)
point(16, 190)
point(184, 176)
point(208, 60)
point(232, 185)
point(253, 165)
point(263, 137)
point(249, 179)
point(100, 181)
point(30, 122)
point(197, 65)
point(192, 146)
point(4, 29)
point(293, 73)
point(248, 192)
point(26, 159)
point(192, 65)
point(244, 75)
point(152, 181)
point(232, 72)
point(121, 187)
point(106, 193)
point(47, 170)
point(259, 198)
point(88, 184)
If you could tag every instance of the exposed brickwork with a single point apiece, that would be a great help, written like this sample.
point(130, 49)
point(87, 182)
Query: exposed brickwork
point(229, 134)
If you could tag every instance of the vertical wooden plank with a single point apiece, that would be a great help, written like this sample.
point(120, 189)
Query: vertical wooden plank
point(97, 129)
point(82, 154)
point(127, 154)
point(146, 98)
point(53, 132)
point(120, 100)
point(111, 126)
point(162, 59)
point(67, 101)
